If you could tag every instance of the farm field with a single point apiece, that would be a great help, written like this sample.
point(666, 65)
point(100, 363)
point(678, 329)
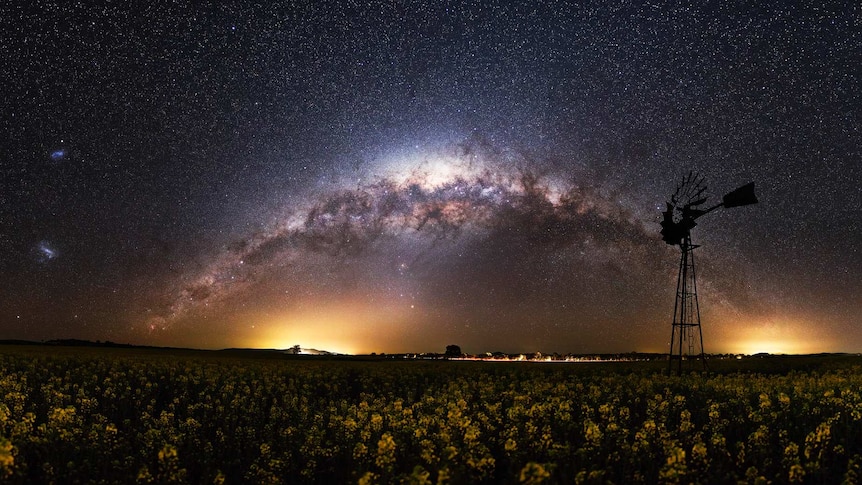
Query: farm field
point(81, 415)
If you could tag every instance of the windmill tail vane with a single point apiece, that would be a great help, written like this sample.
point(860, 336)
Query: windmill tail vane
point(740, 197)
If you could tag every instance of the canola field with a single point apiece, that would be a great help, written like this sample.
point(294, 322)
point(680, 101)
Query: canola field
point(133, 416)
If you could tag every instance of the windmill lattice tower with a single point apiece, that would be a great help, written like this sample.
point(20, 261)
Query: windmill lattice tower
point(686, 339)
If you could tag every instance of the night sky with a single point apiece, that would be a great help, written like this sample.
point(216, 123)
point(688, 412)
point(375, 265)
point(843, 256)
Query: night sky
point(398, 176)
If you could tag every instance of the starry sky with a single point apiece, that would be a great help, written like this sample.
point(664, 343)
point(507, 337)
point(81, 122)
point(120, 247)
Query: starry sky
point(399, 176)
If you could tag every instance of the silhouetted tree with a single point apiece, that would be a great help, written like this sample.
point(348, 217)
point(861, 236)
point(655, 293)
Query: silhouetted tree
point(453, 351)
point(295, 350)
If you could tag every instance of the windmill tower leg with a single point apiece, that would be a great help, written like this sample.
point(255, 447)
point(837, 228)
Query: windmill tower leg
point(686, 339)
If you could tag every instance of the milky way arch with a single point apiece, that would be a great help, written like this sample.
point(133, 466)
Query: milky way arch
point(474, 210)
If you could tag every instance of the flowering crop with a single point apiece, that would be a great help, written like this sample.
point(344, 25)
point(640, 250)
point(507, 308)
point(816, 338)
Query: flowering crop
point(99, 416)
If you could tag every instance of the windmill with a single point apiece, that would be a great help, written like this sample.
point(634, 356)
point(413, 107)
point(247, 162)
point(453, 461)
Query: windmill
point(686, 339)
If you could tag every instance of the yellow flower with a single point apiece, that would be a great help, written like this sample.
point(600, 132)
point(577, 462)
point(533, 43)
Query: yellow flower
point(349, 424)
point(443, 476)
point(592, 433)
point(359, 450)
point(796, 474)
point(7, 459)
point(420, 476)
point(510, 445)
point(533, 473)
point(367, 479)
point(144, 475)
point(385, 451)
point(698, 451)
point(451, 452)
point(376, 422)
point(168, 453)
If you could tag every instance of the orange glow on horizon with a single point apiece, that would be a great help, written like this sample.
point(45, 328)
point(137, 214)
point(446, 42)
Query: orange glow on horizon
point(780, 336)
point(343, 329)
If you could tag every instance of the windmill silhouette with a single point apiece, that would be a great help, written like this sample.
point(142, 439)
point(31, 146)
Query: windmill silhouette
point(686, 339)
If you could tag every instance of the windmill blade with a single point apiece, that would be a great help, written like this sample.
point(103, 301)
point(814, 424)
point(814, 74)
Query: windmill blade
point(690, 191)
point(697, 185)
point(679, 190)
point(686, 181)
